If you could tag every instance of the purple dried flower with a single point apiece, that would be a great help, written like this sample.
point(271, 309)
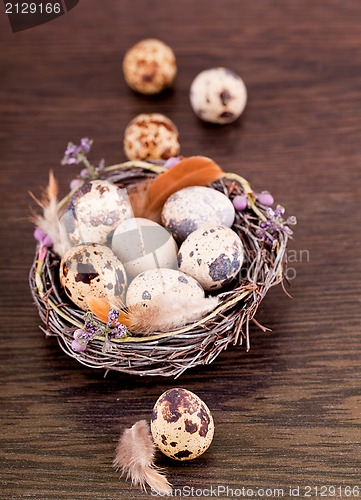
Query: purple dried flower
point(121, 331)
point(112, 316)
point(77, 346)
point(42, 237)
point(270, 229)
point(77, 154)
point(240, 202)
point(74, 184)
point(173, 160)
point(85, 145)
point(265, 198)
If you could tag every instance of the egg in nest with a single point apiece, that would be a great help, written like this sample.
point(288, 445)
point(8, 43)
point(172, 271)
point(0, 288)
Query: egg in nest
point(92, 269)
point(94, 211)
point(181, 424)
point(213, 255)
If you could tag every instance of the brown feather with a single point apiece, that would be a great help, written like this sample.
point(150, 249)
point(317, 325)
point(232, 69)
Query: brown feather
point(148, 197)
point(101, 307)
point(135, 455)
point(167, 314)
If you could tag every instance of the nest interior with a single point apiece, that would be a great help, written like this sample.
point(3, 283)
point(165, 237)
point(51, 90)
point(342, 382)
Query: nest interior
point(170, 354)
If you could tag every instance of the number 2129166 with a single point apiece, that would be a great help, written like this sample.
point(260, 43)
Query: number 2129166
point(331, 491)
point(32, 8)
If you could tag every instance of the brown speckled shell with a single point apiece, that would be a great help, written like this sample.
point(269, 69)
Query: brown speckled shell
point(151, 137)
point(92, 270)
point(181, 424)
point(149, 66)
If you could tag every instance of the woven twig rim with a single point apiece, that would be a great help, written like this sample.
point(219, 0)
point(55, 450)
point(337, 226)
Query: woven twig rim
point(171, 353)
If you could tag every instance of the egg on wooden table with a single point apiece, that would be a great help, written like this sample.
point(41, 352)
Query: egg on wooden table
point(193, 207)
point(181, 424)
point(94, 211)
point(141, 244)
point(92, 269)
point(213, 255)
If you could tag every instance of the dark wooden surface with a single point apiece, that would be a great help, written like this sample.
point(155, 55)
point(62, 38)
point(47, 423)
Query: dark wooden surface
point(286, 413)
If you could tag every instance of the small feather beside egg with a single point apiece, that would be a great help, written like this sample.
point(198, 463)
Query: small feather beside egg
point(165, 299)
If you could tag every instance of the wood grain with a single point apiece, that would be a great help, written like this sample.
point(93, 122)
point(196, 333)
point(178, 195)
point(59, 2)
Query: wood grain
point(286, 413)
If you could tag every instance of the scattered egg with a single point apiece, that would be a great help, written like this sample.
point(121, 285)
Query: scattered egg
point(218, 95)
point(181, 424)
point(92, 270)
point(94, 211)
point(149, 66)
point(141, 244)
point(150, 288)
point(193, 207)
point(151, 137)
point(213, 255)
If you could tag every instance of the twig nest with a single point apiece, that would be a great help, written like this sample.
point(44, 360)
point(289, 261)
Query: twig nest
point(151, 137)
point(149, 66)
point(191, 207)
point(181, 424)
point(141, 244)
point(94, 211)
point(213, 255)
point(92, 270)
point(218, 95)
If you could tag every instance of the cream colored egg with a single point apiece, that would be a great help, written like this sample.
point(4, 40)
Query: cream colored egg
point(196, 206)
point(150, 288)
point(94, 211)
point(218, 95)
point(149, 66)
point(141, 244)
point(213, 255)
point(151, 136)
point(92, 270)
point(181, 424)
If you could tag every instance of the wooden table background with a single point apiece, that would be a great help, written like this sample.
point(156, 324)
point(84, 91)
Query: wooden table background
point(288, 412)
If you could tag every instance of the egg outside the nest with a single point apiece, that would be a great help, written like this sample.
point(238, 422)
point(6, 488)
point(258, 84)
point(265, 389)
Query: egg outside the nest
point(92, 270)
point(181, 424)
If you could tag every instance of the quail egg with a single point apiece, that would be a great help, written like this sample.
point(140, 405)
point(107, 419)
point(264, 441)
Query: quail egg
point(151, 136)
point(149, 66)
point(142, 244)
point(213, 255)
point(218, 95)
point(92, 269)
point(150, 287)
point(193, 207)
point(94, 211)
point(181, 424)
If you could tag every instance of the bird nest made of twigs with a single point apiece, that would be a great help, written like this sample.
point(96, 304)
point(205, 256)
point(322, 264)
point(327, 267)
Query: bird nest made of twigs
point(264, 234)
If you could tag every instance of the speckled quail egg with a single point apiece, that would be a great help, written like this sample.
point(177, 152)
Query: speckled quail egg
point(92, 269)
point(213, 255)
point(141, 244)
point(181, 424)
point(149, 66)
point(151, 136)
point(193, 207)
point(218, 95)
point(150, 287)
point(94, 211)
